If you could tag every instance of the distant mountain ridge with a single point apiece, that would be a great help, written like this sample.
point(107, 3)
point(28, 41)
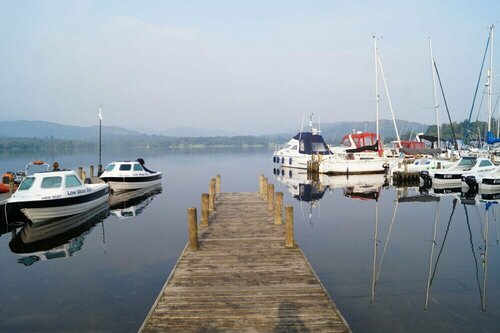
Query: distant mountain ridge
point(44, 129)
point(332, 132)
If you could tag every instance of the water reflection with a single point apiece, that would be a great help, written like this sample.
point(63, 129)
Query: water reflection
point(57, 238)
point(126, 204)
point(485, 205)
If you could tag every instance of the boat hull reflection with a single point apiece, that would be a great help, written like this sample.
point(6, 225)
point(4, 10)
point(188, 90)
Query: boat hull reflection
point(57, 238)
point(126, 204)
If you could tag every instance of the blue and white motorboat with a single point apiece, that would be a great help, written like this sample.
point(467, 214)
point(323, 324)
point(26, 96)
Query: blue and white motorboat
point(55, 194)
point(130, 175)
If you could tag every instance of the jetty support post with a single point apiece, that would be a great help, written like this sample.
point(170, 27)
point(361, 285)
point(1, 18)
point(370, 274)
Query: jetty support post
point(264, 189)
point(193, 229)
point(278, 209)
point(80, 173)
point(11, 185)
point(91, 171)
point(211, 194)
point(289, 238)
point(217, 184)
point(261, 185)
point(270, 197)
point(84, 175)
point(204, 209)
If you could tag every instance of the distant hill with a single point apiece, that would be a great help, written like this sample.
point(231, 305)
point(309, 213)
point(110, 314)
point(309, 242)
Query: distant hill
point(195, 132)
point(335, 131)
point(44, 129)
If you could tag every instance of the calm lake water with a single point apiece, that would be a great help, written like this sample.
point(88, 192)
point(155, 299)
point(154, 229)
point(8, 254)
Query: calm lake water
point(427, 266)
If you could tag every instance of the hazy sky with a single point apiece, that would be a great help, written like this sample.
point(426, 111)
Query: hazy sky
point(244, 66)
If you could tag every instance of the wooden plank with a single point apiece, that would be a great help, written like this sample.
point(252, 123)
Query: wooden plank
point(243, 279)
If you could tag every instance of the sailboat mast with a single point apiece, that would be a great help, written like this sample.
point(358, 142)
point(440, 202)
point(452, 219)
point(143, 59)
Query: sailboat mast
point(389, 101)
point(436, 106)
point(377, 96)
point(490, 78)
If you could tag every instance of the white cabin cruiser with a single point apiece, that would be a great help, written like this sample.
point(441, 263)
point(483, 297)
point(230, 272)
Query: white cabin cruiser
point(54, 194)
point(130, 175)
point(354, 157)
point(452, 177)
point(300, 150)
point(473, 180)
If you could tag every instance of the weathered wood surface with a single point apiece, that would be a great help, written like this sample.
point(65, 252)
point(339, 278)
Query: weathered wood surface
point(243, 279)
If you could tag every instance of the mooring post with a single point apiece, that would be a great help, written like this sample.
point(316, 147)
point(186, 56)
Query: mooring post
point(217, 184)
point(289, 241)
point(91, 171)
point(193, 229)
point(84, 175)
point(261, 185)
point(211, 193)
point(80, 173)
point(264, 189)
point(204, 209)
point(270, 197)
point(278, 208)
point(11, 185)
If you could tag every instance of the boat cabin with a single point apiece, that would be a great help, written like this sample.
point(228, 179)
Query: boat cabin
point(358, 140)
point(311, 143)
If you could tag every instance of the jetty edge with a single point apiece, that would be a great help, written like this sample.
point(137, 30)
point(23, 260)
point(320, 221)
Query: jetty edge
point(241, 271)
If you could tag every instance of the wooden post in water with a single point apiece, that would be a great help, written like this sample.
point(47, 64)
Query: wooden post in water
point(11, 185)
point(278, 209)
point(270, 197)
point(91, 171)
point(211, 193)
point(217, 184)
point(193, 229)
point(80, 173)
point(264, 189)
point(289, 241)
point(84, 175)
point(204, 209)
point(261, 185)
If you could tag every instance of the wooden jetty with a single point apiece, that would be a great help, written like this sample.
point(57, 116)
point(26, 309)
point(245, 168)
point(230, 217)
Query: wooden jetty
point(401, 178)
point(242, 272)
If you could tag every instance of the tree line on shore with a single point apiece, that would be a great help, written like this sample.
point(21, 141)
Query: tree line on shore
point(159, 142)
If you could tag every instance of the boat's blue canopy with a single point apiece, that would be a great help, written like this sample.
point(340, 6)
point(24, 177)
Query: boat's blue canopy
point(490, 139)
point(310, 143)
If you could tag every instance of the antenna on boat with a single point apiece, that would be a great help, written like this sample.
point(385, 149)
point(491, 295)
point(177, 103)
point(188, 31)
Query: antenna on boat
point(99, 167)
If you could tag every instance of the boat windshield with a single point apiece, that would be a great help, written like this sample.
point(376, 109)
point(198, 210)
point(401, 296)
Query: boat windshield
point(51, 182)
point(467, 162)
point(26, 183)
point(110, 167)
point(138, 167)
point(125, 167)
point(72, 181)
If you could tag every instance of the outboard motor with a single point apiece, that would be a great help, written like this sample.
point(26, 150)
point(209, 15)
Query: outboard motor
point(472, 182)
point(426, 177)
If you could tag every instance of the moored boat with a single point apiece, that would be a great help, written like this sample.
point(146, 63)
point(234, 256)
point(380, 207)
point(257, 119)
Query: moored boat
point(452, 177)
point(54, 194)
point(130, 175)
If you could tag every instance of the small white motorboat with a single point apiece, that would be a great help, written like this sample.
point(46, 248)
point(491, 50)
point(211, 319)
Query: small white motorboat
point(130, 175)
point(452, 176)
point(54, 194)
